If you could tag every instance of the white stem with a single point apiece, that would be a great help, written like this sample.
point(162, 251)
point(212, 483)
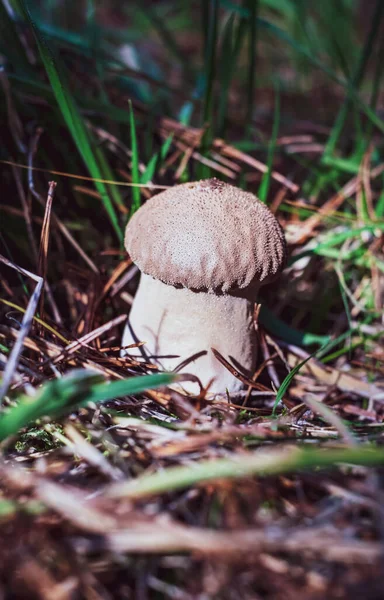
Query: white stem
point(177, 323)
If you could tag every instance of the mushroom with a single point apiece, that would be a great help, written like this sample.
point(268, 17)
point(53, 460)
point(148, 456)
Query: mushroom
point(204, 248)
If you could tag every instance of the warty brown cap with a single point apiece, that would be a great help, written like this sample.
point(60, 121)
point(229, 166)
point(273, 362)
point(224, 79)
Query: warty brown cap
point(206, 236)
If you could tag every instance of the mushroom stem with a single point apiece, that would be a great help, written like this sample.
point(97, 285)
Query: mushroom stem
point(177, 323)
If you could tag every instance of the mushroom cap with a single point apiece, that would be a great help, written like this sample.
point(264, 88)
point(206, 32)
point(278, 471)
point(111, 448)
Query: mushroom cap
point(206, 236)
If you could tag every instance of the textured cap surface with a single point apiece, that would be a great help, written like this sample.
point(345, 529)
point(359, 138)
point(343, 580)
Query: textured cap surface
point(207, 235)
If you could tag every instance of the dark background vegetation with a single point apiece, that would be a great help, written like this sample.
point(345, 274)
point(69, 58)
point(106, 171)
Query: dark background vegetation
point(274, 496)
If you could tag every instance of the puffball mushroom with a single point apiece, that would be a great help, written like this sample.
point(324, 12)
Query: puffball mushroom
point(203, 248)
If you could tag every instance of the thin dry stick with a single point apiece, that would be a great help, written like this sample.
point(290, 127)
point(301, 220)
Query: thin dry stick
point(172, 538)
point(186, 145)
point(278, 199)
point(253, 162)
point(40, 199)
point(188, 154)
point(148, 185)
point(124, 280)
point(304, 148)
point(27, 215)
point(240, 376)
point(188, 136)
point(214, 165)
point(227, 162)
point(269, 363)
point(117, 272)
point(91, 454)
point(113, 142)
point(329, 376)
point(13, 359)
point(287, 140)
point(255, 377)
point(52, 350)
point(43, 252)
point(88, 338)
point(171, 160)
point(331, 417)
point(55, 310)
point(45, 325)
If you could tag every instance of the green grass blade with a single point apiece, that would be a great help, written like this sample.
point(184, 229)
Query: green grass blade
point(320, 351)
point(130, 387)
point(72, 391)
point(71, 116)
point(347, 165)
point(156, 160)
point(108, 176)
point(344, 298)
point(264, 462)
point(336, 240)
point(288, 379)
point(379, 208)
point(351, 346)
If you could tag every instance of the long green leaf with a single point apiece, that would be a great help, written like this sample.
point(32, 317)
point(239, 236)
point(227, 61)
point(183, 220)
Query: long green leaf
point(72, 391)
point(272, 461)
